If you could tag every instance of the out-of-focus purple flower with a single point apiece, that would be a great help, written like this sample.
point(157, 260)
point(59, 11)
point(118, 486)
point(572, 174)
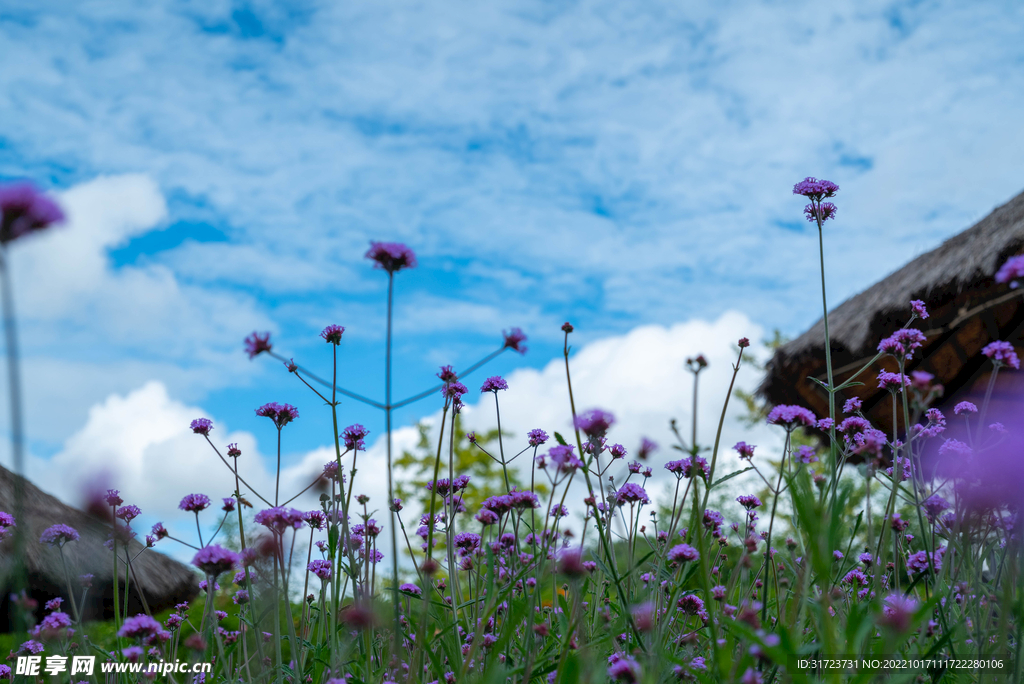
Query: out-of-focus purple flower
point(23, 210)
point(1010, 271)
point(279, 519)
point(743, 343)
point(595, 423)
point(214, 559)
point(934, 505)
point(1002, 353)
point(748, 501)
point(822, 212)
point(921, 380)
point(58, 535)
point(194, 503)
point(806, 454)
point(563, 457)
point(514, 339)
point(570, 563)
point(6, 520)
point(256, 344)
point(918, 562)
point(744, 450)
point(537, 437)
point(683, 553)
point(955, 447)
point(917, 306)
point(447, 374)
point(791, 417)
point(201, 426)
point(493, 384)
point(485, 516)
point(281, 414)
point(625, 669)
point(751, 676)
point(30, 648)
point(159, 531)
point(894, 382)
point(141, 626)
point(897, 611)
point(852, 405)
point(332, 334)
point(234, 451)
point(647, 447)
point(320, 568)
point(964, 407)
point(391, 256)
point(353, 436)
point(454, 390)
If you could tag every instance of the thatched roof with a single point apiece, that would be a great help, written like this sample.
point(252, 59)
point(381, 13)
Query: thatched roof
point(968, 310)
point(163, 581)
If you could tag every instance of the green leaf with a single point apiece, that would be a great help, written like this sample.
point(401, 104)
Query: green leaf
point(560, 439)
point(730, 476)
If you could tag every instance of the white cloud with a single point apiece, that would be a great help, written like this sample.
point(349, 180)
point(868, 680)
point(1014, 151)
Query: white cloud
point(141, 443)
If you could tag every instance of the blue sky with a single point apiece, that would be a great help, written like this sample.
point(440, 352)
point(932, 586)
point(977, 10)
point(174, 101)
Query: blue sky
point(620, 165)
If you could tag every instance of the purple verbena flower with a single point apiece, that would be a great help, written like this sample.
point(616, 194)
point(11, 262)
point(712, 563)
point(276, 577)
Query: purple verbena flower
point(141, 626)
point(128, 513)
point(647, 447)
point(748, 501)
point(790, 416)
point(281, 414)
point(194, 502)
point(537, 437)
point(894, 382)
point(815, 189)
point(514, 339)
point(744, 450)
point(897, 611)
point(820, 213)
point(595, 423)
point(279, 519)
point(964, 407)
point(23, 210)
point(631, 493)
point(320, 568)
point(353, 436)
point(214, 559)
point(58, 535)
point(852, 405)
point(1002, 353)
point(493, 384)
point(683, 553)
point(201, 426)
point(1010, 271)
point(256, 344)
point(903, 343)
point(391, 256)
point(332, 334)
point(917, 306)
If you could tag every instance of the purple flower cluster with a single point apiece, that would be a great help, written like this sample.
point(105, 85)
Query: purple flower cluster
point(194, 503)
point(281, 414)
point(1002, 353)
point(631, 493)
point(332, 334)
point(214, 559)
point(815, 190)
point(1010, 271)
point(537, 437)
point(391, 256)
point(594, 423)
point(493, 384)
point(256, 344)
point(201, 426)
point(903, 343)
point(353, 436)
point(894, 382)
point(790, 416)
point(744, 450)
point(279, 519)
point(513, 339)
point(683, 553)
point(23, 210)
point(321, 568)
point(58, 535)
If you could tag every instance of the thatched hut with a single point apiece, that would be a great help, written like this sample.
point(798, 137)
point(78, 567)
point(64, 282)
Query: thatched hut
point(968, 310)
point(162, 581)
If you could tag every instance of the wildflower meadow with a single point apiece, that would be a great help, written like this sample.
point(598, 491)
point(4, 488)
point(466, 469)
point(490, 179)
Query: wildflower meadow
point(859, 555)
